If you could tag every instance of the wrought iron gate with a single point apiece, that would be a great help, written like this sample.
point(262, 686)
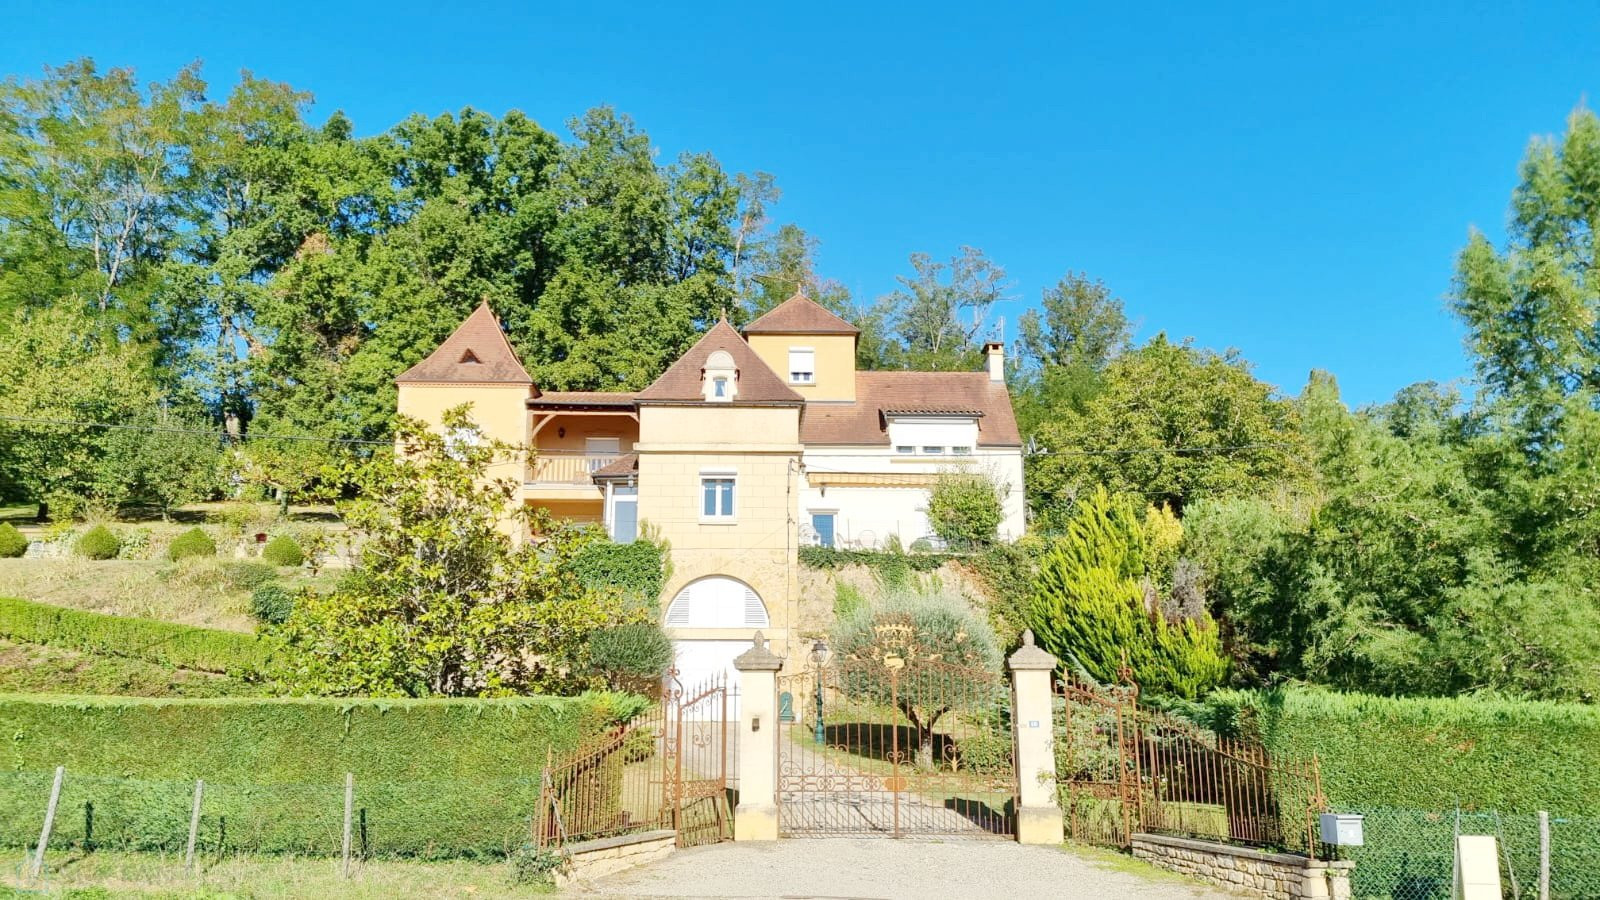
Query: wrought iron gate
point(673, 767)
point(895, 748)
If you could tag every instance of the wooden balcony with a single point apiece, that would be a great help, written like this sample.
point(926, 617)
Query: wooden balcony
point(567, 468)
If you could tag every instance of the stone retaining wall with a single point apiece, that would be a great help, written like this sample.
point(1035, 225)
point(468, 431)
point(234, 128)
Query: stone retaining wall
point(1279, 876)
point(597, 858)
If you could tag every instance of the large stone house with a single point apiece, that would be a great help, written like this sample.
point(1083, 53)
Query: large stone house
point(748, 447)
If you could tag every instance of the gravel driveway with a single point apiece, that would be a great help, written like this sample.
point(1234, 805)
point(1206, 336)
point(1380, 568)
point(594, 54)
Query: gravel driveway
point(867, 869)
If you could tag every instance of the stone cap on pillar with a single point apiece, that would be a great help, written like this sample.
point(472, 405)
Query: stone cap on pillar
point(758, 658)
point(1031, 657)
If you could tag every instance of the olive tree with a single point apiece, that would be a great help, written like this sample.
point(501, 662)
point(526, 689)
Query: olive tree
point(923, 650)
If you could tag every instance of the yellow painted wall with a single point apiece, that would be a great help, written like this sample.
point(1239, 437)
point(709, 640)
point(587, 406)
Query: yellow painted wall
point(576, 510)
point(836, 362)
point(760, 548)
point(501, 411)
point(709, 423)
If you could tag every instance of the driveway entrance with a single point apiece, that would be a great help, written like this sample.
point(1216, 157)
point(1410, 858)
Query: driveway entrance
point(894, 748)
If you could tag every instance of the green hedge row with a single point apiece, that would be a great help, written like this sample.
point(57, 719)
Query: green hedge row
point(165, 643)
point(1431, 754)
point(433, 778)
point(833, 558)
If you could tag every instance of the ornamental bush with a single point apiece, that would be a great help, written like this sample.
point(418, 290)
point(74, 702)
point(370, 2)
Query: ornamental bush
point(271, 604)
point(193, 542)
point(98, 543)
point(633, 656)
point(965, 509)
point(283, 551)
point(12, 543)
point(638, 568)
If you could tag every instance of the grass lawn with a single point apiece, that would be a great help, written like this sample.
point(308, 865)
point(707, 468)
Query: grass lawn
point(108, 874)
point(41, 669)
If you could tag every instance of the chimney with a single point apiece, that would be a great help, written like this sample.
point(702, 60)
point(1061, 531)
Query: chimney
point(996, 352)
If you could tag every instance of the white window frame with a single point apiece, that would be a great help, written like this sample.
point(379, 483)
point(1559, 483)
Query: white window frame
point(905, 450)
point(717, 518)
point(810, 377)
point(961, 450)
point(931, 450)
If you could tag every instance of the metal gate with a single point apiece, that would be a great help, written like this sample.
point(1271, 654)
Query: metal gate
point(895, 748)
point(674, 766)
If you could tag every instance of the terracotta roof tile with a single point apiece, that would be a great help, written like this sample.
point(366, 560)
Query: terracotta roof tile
point(477, 352)
point(624, 466)
point(682, 382)
point(556, 399)
point(800, 315)
point(927, 393)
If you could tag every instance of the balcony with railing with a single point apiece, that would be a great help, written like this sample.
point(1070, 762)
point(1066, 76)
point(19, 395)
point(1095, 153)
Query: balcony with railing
point(567, 468)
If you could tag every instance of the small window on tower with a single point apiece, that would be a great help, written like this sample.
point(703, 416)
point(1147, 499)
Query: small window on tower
point(802, 365)
point(719, 388)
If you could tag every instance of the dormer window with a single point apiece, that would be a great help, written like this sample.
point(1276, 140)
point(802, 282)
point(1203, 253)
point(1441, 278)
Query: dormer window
point(720, 378)
point(470, 359)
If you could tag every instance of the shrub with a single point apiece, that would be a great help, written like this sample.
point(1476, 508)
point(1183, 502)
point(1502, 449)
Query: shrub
point(433, 778)
point(965, 509)
point(1091, 610)
point(12, 543)
point(98, 543)
point(1430, 754)
point(193, 542)
point(847, 601)
point(638, 569)
point(243, 575)
point(631, 656)
point(180, 646)
point(271, 604)
point(283, 551)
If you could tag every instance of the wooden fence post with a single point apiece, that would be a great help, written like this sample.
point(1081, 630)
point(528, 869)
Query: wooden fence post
point(349, 804)
point(194, 824)
point(49, 823)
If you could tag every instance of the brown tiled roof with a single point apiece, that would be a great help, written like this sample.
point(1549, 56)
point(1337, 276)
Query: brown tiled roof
point(558, 399)
point(476, 353)
point(800, 315)
point(624, 466)
point(927, 393)
point(757, 383)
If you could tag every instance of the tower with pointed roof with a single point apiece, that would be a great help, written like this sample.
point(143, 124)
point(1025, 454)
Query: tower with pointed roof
point(812, 349)
point(475, 366)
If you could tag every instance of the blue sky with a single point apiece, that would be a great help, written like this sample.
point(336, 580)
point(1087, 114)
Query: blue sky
point(1292, 180)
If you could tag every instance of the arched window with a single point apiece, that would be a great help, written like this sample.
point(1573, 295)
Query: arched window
point(717, 602)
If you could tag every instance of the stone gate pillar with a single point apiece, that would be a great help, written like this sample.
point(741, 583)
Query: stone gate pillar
point(1033, 739)
point(756, 816)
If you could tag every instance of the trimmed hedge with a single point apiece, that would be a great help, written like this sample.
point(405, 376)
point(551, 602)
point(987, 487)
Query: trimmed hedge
point(433, 778)
point(1431, 754)
point(827, 558)
point(166, 643)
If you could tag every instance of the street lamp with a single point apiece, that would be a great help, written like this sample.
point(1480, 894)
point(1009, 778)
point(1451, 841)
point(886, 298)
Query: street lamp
point(819, 656)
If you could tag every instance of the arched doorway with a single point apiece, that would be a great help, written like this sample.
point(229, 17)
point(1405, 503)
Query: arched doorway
point(696, 615)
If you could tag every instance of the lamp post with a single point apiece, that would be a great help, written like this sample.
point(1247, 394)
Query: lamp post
point(819, 656)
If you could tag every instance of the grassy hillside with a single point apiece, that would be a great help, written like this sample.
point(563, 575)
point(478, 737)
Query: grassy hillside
point(41, 669)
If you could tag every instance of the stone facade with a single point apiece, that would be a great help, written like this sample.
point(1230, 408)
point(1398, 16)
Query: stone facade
point(1279, 876)
point(607, 856)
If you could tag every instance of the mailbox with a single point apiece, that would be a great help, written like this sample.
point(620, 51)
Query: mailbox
point(1342, 829)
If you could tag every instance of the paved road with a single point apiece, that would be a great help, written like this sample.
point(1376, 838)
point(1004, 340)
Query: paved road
point(880, 869)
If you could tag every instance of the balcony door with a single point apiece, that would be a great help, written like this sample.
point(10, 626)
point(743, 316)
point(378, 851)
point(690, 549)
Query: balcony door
point(600, 452)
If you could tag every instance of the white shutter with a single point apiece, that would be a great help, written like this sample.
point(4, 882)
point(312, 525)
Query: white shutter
point(678, 612)
point(755, 612)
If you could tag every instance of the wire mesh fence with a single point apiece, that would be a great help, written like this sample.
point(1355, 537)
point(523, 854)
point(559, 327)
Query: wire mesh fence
point(1409, 854)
